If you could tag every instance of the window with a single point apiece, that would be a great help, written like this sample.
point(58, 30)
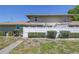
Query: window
point(36, 19)
point(66, 19)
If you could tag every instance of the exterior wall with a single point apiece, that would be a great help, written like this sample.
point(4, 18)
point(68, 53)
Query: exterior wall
point(26, 30)
point(51, 19)
point(7, 27)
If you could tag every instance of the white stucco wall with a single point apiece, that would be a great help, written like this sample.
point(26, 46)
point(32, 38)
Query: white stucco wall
point(51, 19)
point(26, 30)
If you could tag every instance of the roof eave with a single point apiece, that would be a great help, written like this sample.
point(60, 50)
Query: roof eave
point(29, 15)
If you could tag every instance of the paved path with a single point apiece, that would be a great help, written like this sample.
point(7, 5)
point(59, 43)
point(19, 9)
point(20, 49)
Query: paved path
point(7, 49)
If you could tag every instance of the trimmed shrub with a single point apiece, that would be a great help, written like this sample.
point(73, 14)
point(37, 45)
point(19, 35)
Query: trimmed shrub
point(10, 33)
point(21, 32)
point(74, 35)
point(36, 35)
point(1, 33)
point(51, 34)
point(64, 34)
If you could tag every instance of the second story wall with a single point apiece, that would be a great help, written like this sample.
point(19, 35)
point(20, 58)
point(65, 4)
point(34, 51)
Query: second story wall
point(49, 19)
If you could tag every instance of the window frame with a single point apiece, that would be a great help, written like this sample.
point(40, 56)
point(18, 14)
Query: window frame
point(36, 19)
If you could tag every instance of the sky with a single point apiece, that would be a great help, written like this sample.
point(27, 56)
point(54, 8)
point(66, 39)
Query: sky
point(13, 13)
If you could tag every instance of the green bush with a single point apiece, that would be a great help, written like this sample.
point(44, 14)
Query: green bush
point(51, 34)
point(64, 34)
point(21, 32)
point(36, 35)
point(74, 35)
point(1, 33)
point(10, 33)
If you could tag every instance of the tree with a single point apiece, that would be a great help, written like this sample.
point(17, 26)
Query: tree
point(75, 11)
point(72, 11)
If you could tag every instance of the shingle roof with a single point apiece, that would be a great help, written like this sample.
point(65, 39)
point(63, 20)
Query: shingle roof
point(24, 23)
point(13, 23)
point(19, 23)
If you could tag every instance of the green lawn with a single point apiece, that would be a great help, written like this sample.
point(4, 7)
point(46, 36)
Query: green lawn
point(5, 41)
point(47, 47)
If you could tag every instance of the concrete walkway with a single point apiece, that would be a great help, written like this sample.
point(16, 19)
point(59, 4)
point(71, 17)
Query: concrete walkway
point(7, 49)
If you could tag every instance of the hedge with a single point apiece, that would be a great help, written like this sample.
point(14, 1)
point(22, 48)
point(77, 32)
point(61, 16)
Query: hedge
point(10, 33)
point(36, 35)
point(64, 34)
point(1, 33)
point(51, 34)
point(74, 35)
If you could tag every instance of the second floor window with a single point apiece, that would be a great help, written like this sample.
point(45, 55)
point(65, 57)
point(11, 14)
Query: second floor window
point(36, 19)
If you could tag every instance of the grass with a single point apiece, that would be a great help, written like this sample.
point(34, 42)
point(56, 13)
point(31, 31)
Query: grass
point(5, 41)
point(65, 47)
point(47, 47)
point(21, 49)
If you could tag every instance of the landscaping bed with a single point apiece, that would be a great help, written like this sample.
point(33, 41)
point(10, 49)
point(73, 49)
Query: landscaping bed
point(42, 46)
point(5, 41)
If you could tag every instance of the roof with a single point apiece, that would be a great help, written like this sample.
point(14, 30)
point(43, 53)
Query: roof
point(23, 23)
point(50, 15)
point(34, 23)
point(13, 23)
point(20, 23)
